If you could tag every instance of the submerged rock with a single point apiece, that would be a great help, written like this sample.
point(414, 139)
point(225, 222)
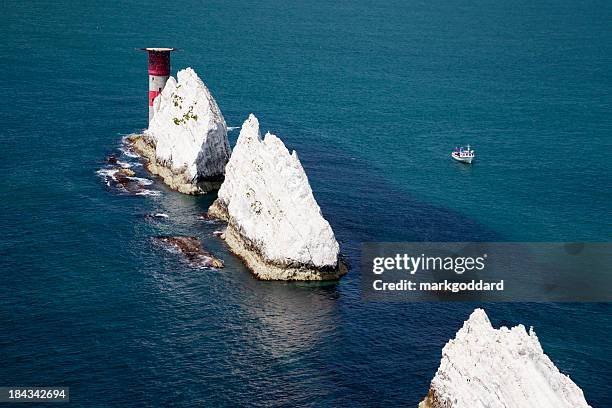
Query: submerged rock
point(186, 143)
point(485, 367)
point(191, 249)
point(274, 222)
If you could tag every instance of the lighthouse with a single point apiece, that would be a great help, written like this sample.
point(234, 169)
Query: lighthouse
point(159, 71)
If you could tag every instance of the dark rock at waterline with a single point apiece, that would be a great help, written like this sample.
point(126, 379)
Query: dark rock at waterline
point(204, 216)
point(112, 159)
point(191, 249)
point(124, 180)
point(129, 184)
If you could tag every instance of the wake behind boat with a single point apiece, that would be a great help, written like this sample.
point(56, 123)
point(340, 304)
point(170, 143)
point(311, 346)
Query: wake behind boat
point(464, 155)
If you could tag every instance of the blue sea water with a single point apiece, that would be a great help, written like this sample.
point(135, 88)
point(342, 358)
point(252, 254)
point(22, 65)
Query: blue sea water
point(373, 96)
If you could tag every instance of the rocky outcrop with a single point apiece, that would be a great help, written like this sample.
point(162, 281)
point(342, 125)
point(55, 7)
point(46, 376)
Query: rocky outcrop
point(186, 143)
point(124, 180)
point(191, 249)
point(274, 223)
point(485, 367)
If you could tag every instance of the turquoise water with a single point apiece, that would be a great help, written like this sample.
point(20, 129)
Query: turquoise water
point(373, 97)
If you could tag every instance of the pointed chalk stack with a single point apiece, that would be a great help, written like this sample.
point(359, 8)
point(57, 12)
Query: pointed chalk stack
point(274, 222)
point(483, 367)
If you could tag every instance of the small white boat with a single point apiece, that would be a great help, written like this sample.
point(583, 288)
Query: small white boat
point(464, 155)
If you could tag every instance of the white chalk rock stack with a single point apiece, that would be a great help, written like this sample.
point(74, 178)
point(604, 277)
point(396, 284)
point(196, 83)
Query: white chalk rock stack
point(485, 367)
point(186, 142)
point(274, 223)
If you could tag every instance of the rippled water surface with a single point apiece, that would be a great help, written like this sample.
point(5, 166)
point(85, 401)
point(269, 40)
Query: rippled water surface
point(372, 95)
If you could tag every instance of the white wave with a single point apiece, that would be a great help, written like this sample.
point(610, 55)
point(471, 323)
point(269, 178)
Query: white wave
point(125, 165)
point(107, 172)
point(230, 128)
point(152, 193)
point(143, 181)
point(125, 149)
point(128, 152)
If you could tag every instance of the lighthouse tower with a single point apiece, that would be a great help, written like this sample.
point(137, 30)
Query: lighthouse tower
point(159, 71)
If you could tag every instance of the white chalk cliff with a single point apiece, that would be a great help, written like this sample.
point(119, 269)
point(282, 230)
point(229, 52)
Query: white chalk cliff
point(186, 142)
point(485, 367)
point(274, 222)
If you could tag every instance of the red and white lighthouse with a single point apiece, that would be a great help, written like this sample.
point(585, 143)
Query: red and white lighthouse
point(159, 71)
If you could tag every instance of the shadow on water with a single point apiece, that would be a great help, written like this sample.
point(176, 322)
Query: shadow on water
point(373, 209)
